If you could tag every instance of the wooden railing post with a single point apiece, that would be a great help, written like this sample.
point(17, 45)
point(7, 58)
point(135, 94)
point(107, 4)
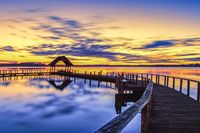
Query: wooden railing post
point(173, 83)
point(144, 120)
point(145, 81)
point(156, 79)
point(181, 85)
point(188, 87)
point(133, 78)
point(136, 78)
point(142, 82)
point(90, 74)
point(198, 92)
point(165, 81)
point(146, 111)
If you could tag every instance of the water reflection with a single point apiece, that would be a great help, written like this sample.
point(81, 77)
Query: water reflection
point(55, 104)
point(62, 86)
point(122, 100)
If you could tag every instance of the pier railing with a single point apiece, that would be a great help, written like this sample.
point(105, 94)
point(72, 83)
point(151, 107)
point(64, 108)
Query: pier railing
point(143, 105)
point(186, 86)
point(183, 85)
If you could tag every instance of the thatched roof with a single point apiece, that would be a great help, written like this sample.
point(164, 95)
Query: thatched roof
point(61, 58)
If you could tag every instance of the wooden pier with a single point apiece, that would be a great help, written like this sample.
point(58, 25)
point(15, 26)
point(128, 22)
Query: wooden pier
point(166, 105)
point(164, 108)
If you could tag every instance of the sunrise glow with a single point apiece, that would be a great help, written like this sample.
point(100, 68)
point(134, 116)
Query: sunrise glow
point(101, 32)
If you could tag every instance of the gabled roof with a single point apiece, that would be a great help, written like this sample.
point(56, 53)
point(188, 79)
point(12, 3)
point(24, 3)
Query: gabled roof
point(61, 58)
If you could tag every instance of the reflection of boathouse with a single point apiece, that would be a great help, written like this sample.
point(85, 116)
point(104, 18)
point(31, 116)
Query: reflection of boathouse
point(62, 86)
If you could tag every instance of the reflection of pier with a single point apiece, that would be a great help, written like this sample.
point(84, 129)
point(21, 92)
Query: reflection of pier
point(121, 100)
point(62, 86)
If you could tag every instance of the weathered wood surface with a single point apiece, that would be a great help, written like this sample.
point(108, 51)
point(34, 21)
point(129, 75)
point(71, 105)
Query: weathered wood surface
point(173, 112)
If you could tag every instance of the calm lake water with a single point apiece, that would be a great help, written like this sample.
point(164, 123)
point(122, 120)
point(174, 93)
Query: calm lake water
point(184, 72)
point(55, 104)
point(35, 105)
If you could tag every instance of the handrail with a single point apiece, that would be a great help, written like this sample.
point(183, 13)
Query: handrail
point(117, 124)
point(169, 76)
point(174, 83)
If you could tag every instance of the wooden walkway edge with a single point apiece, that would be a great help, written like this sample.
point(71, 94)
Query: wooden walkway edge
point(173, 112)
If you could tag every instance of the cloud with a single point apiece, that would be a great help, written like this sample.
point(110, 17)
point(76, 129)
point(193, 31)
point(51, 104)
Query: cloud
point(70, 29)
point(55, 18)
point(85, 50)
point(51, 38)
point(158, 44)
point(35, 10)
point(5, 83)
point(8, 48)
point(88, 42)
point(192, 59)
point(73, 24)
point(76, 50)
point(70, 23)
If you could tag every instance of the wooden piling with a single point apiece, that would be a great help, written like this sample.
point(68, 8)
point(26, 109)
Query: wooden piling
point(188, 87)
point(181, 85)
point(198, 91)
point(173, 85)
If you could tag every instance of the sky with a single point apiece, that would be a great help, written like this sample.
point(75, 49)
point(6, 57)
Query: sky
point(111, 32)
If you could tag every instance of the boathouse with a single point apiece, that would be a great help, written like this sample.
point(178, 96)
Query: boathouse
point(64, 59)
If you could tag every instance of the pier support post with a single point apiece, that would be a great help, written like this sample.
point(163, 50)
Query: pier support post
point(133, 78)
point(145, 118)
point(156, 79)
point(188, 88)
point(136, 78)
point(181, 85)
point(142, 82)
point(165, 81)
point(198, 92)
point(173, 82)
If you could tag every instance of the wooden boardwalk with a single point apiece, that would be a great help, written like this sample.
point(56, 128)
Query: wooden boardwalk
point(164, 110)
point(173, 112)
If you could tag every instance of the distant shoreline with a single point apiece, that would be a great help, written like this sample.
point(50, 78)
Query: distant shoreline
point(137, 65)
point(43, 65)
